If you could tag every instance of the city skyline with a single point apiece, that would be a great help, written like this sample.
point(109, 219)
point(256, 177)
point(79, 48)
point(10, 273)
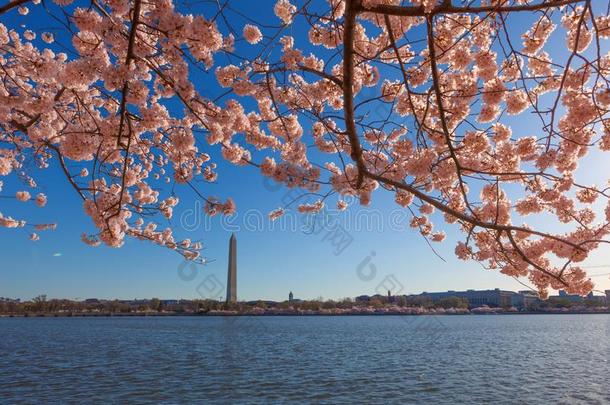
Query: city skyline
point(290, 295)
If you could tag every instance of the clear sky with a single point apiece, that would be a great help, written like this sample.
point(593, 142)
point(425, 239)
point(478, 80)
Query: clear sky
point(273, 258)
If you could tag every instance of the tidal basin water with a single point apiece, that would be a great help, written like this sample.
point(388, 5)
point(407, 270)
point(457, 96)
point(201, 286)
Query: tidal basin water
point(321, 359)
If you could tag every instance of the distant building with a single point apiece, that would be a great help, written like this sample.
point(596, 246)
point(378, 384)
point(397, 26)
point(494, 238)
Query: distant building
point(290, 296)
point(476, 298)
point(569, 297)
point(92, 301)
point(525, 299)
point(578, 299)
point(266, 302)
point(136, 303)
point(369, 298)
point(390, 296)
point(601, 299)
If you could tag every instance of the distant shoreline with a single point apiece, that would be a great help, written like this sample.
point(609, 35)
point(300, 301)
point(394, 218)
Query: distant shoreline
point(171, 314)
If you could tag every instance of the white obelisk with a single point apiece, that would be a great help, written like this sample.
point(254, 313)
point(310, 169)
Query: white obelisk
point(232, 271)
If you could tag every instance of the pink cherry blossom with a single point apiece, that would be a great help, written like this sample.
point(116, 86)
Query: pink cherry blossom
point(275, 214)
point(47, 37)
point(41, 200)
point(252, 34)
point(23, 196)
point(284, 10)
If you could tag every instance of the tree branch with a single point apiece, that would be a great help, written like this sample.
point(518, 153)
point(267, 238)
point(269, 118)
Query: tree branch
point(12, 5)
point(447, 8)
point(348, 91)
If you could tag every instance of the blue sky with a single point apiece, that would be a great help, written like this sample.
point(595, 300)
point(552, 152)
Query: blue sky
point(271, 261)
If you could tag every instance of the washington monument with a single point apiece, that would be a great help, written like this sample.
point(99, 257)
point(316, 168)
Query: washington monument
point(232, 271)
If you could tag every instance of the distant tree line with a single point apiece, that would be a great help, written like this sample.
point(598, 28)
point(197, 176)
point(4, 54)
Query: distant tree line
point(42, 305)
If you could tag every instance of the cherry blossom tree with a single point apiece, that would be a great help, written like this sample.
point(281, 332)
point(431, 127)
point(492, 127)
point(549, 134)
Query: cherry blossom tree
point(340, 98)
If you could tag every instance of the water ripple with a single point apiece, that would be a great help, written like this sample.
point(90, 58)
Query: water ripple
point(322, 360)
